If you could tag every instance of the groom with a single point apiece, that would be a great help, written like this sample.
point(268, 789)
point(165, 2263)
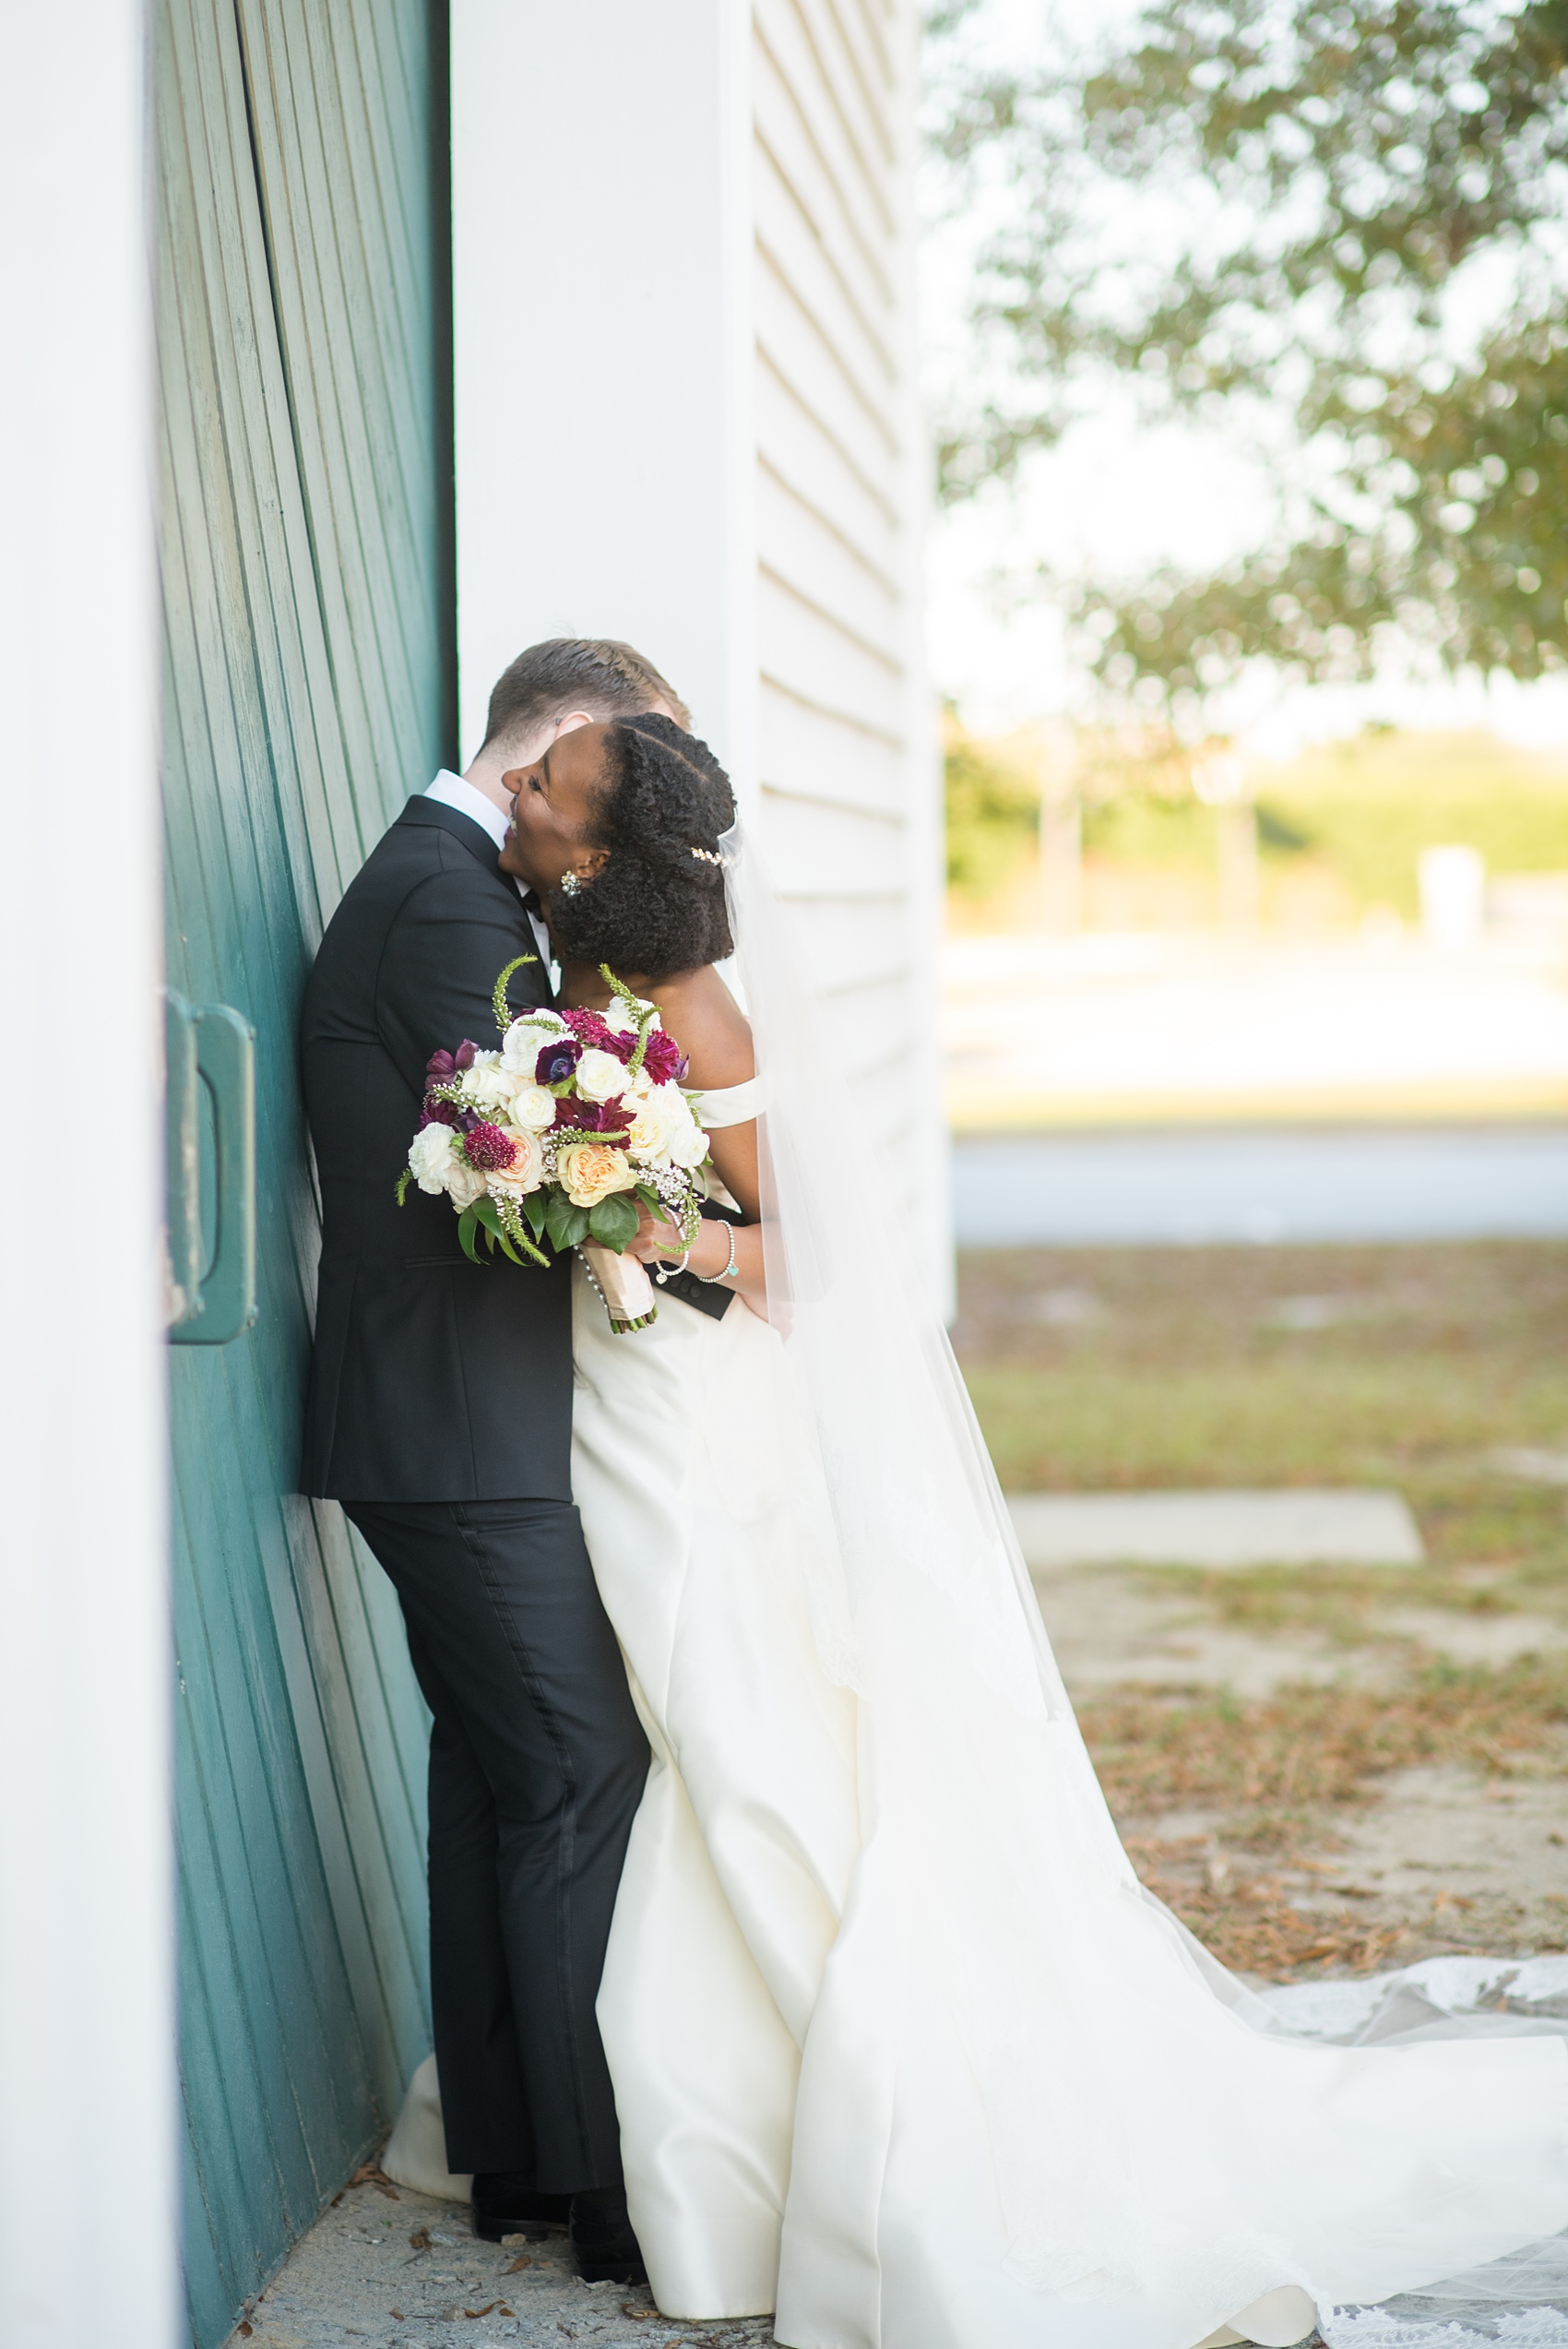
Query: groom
point(440, 1415)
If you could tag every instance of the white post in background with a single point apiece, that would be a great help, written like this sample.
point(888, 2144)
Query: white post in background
point(603, 352)
point(88, 2109)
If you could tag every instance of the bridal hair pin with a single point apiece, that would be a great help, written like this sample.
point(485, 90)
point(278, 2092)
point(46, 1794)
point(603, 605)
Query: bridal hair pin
point(708, 855)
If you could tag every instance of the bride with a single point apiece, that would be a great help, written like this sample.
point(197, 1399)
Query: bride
point(902, 2049)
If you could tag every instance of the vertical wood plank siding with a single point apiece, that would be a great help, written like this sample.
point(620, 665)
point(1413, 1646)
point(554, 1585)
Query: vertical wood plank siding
point(843, 747)
point(306, 562)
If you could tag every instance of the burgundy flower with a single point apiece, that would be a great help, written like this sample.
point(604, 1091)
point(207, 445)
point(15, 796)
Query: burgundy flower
point(664, 1060)
point(592, 1034)
point(556, 1061)
point(486, 1148)
point(610, 1118)
point(445, 1067)
point(438, 1113)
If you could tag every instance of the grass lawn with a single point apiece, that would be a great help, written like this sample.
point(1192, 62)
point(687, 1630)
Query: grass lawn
point(1410, 1366)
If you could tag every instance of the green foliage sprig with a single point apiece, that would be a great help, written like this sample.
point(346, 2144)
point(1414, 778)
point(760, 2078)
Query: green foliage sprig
point(643, 1013)
point(503, 1008)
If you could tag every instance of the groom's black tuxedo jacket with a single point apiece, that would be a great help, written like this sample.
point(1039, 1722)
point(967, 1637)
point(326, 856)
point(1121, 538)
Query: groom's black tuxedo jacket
point(434, 1379)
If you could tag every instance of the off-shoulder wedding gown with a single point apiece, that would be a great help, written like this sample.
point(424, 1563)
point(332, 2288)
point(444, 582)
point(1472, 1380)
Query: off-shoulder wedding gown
point(901, 2046)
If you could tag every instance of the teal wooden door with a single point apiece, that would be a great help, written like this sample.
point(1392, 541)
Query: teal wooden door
point(305, 539)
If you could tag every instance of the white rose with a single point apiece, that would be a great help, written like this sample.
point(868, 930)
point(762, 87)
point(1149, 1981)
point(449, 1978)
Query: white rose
point(688, 1143)
point(525, 1039)
point(619, 1020)
point(664, 1132)
point(527, 1170)
point(533, 1106)
point(428, 1155)
point(601, 1076)
point(488, 1083)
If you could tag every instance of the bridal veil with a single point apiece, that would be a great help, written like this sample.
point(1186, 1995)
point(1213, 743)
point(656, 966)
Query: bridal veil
point(1023, 2083)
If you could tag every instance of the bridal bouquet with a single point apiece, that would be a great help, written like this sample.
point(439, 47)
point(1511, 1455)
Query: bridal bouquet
point(557, 1135)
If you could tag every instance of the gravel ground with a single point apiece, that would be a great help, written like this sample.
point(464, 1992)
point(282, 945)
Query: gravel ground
point(396, 2270)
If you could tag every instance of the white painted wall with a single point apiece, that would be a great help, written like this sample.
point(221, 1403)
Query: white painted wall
point(600, 233)
point(683, 264)
point(88, 2114)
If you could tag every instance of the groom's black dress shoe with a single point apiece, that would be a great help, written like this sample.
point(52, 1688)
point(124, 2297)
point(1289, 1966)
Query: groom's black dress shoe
point(602, 2242)
point(505, 2204)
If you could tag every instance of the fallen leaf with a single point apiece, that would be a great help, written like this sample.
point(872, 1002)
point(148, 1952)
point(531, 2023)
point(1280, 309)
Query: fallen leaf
point(481, 2312)
point(372, 2174)
point(244, 2330)
point(420, 2239)
point(503, 2310)
point(398, 2313)
point(518, 2264)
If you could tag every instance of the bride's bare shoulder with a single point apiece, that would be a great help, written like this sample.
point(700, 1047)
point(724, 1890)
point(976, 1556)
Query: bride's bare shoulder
point(709, 1026)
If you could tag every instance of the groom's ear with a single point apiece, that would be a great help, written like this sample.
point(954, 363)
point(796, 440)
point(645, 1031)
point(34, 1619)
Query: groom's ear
point(571, 722)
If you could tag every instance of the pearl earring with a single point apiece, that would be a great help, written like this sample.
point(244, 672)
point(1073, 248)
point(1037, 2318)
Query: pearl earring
point(570, 885)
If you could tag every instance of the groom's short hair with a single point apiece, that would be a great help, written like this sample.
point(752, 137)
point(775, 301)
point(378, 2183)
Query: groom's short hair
point(597, 674)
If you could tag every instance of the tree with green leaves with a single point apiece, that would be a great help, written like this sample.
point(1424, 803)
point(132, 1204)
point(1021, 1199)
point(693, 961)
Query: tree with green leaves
point(1354, 213)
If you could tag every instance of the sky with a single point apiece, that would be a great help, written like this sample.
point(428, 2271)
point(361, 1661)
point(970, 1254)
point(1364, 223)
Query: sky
point(1117, 495)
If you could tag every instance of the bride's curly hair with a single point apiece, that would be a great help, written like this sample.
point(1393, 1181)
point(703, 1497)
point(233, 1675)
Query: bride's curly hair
point(655, 905)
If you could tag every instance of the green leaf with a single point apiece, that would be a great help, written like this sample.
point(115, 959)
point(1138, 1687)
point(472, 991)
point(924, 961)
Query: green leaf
point(559, 1217)
point(534, 1207)
point(467, 1223)
point(576, 1227)
point(485, 1208)
point(613, 1222)
point(651, 1199)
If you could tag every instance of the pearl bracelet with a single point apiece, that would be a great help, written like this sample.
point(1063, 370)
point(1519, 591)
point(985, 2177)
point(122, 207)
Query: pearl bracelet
point(713, 1278)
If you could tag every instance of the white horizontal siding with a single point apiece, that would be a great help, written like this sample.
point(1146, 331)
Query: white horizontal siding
point(844, 761)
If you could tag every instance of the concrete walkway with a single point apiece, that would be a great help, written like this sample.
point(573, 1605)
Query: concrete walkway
point(1298, 1527)
point(393, 2269)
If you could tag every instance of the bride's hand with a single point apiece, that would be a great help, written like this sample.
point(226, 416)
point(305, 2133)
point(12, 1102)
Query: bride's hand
point(654, 1239)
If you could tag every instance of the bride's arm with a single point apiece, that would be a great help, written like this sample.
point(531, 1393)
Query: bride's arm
point(702, 1014)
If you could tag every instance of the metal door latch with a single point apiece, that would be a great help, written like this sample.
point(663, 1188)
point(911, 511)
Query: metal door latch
point(208, 1044)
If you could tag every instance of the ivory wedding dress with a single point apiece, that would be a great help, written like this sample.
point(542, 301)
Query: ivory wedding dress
point(902, 2049)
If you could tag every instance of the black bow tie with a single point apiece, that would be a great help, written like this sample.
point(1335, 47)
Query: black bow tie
point(531, 903)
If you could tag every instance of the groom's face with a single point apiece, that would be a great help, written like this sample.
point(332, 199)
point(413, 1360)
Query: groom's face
point(553, 806)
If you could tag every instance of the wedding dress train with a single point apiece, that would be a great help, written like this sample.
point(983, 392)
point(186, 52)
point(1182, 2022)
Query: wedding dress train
point(902, 2049)
point(837, 2095)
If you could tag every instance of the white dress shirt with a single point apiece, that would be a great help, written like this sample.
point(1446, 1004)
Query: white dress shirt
point(452, 790)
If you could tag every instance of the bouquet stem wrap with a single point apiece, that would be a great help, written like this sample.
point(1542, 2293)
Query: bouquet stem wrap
point(622, 1283)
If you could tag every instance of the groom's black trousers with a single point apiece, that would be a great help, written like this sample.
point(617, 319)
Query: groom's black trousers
point(537, 1766)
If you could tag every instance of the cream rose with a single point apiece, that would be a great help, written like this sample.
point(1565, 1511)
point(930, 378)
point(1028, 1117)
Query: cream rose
point(601, 1076)
point(429, 1155)
point(620, 1022)
point(527, 1170)
point(589, 1172)
point(651, 1133)
point(463, 1183)
point(533, 1106)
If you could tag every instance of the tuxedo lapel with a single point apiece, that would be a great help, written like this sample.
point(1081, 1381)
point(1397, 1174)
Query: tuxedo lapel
point(474, 838)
